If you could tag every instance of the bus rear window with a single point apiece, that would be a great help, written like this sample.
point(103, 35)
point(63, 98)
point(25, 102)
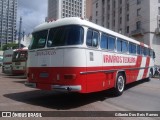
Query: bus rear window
point(65, 35)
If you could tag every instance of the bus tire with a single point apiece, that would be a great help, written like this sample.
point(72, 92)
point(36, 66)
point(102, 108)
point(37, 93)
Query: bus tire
point(120, 84)
point(150, 76)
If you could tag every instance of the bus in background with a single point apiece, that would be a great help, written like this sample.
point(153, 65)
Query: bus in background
point(7, 61)
point(76, 55)
point(19, 61)
point(1, 60)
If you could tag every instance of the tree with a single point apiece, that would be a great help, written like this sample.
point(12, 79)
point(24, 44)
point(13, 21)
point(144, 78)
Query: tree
point(9, 46)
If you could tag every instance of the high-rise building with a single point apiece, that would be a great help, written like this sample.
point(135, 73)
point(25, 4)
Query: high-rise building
point(89, 9)
point(8, 16)
point(66, 8)
point(139, 19)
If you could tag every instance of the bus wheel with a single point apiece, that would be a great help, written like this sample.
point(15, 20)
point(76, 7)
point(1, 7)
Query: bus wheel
point(120, 84)
point(150, 75)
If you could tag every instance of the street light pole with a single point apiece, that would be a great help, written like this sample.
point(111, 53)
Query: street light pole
point(19, 36)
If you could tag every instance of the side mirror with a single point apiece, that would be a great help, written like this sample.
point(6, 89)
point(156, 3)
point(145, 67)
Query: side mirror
point(49, 43)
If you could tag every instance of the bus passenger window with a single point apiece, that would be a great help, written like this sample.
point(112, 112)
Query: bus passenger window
point(132, 48)
point(119, 45)
point(89, 38)
point(138, 50)
point(124, 46)
point(145, 51)
point(142, 49)
point(111, 43)
point(104, 41)
point(92, 38)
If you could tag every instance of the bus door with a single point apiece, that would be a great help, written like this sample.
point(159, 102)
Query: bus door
point(94, 76)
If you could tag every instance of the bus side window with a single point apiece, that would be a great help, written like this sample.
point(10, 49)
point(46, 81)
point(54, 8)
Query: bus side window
point(111, 43)
point(142, 49)
point(92, 38)
point(132, 48)
point(104, 41)
point(138, 50)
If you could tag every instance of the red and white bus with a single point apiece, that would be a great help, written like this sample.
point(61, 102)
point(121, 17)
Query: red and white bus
point(7, 61)
point(75, 55)
point(19, 61)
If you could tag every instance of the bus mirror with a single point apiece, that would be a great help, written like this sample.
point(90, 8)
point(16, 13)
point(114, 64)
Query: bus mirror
point(49, 43)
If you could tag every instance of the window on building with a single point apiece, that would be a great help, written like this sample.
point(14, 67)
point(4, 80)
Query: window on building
point(120, 20)
point(96, 13)
point(159, 10)
point(138, 2)
point(128, 17)
point(120, 1)
point(96, 5)
point(127, 29)
point(127, 7)
point(120, 10)
point(138, 11)
point(158, 1)
point(138, 25)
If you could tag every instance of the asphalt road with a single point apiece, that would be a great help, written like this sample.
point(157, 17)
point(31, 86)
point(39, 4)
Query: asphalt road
point(139, 96)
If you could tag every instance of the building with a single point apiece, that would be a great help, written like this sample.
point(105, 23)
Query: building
point(66, 8)
point(139, 19)
point(8, 16)
point(89, 9)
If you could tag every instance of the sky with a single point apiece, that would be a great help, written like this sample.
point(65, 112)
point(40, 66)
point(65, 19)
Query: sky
point(33, 13)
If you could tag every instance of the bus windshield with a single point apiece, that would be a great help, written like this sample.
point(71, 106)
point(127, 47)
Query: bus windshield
point(60, 36)
point(19, 56)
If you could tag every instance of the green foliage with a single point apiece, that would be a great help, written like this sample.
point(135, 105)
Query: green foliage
point(10, 45)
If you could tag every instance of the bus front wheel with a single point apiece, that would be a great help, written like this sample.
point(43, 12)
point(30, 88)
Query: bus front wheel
point(120, 84)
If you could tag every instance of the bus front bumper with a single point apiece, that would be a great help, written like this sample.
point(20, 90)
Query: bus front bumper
point(61, 88)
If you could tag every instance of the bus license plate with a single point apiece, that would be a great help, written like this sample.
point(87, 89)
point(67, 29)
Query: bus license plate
point(43, 75)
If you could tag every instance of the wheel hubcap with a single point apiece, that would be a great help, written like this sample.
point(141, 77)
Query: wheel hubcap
point(120, 83)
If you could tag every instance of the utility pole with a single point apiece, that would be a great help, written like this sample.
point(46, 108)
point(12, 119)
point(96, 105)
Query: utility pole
point(19, 35)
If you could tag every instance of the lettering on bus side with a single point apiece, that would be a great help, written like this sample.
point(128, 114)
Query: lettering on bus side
point(118, 59)
point(43, 53)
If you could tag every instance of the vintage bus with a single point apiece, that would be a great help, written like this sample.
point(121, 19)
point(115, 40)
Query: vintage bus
point(75, 55)
point(19, 61)
point(7, 61)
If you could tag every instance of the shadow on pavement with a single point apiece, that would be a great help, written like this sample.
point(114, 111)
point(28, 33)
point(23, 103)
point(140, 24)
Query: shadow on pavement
point(63, 101)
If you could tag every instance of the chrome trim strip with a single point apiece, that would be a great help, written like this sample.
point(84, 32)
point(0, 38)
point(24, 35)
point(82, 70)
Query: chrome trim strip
point(67, 88)
point(31, 85)
point(113, 70)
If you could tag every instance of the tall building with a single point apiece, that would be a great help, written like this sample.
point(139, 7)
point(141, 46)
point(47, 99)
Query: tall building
point(89, 9)
point(8, 16)
point(66, 8)
point(139, 19)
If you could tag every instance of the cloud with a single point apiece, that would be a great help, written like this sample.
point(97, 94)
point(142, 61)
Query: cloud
point(33, 12)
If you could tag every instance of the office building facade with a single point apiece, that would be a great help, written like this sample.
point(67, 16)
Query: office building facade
point(8, 16)
point(138, 19)
point(66, 8)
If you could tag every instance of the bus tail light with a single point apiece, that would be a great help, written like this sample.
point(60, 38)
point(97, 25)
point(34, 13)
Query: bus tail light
point(70, 76)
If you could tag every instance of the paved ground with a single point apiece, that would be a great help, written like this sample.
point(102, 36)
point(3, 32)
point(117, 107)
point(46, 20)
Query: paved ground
point(139, 96)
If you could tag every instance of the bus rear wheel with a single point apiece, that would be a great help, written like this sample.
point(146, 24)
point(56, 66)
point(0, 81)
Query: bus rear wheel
point(120, 84)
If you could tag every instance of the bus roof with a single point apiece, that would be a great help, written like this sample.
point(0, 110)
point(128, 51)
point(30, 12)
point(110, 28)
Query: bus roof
point(81, 22)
